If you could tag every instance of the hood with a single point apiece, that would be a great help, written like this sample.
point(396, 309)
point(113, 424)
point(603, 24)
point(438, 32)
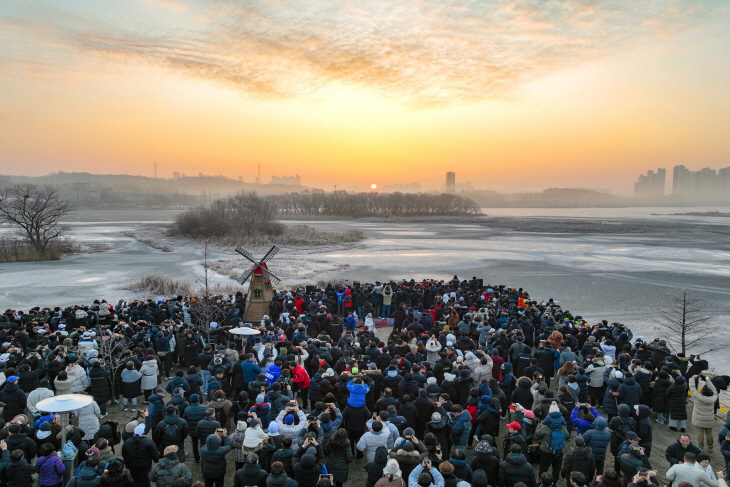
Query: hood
point(643, 411)
point(479, 479)
point(213, 442)
point(630, 381)
point(171, 419)
point(600, 423)
point(87, 473)
point(150, 362)
point(624, 411)
point(457, 463)
point(359, 389)
point(169, 461)
point(583, 453)
point(516, 459)
point(277, 480)
point(507, 368)
point(381, 455)
point(524, 383)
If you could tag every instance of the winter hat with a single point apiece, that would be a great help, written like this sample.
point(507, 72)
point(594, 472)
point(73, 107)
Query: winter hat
point(619, 374)
point(289, 419)
point(528, 414)
point(308, 460)
point(463, 483)
point(129, 428)
point(436, 417)
point(273, 428)
point(115, 466)
point(241, 425)
point(179, 391)
point(407, 446)
point(139, 430)
point(170, 449)
point(554, 408)
point(93, 452)
point(408, 432)
point(44, 431)
point(260, 399)
point(446, 467)
point(195, 398)
point(580, 441)
point(449, 377)
point(470, 356)
point(392, 468)
point(495, 351)
point(431, 381)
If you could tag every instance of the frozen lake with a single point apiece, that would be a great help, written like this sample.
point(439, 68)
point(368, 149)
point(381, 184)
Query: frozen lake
point(619, 277)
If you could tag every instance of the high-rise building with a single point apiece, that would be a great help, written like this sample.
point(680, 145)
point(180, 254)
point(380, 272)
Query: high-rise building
point(450, 185)
point(681, 181)
point(651, 184)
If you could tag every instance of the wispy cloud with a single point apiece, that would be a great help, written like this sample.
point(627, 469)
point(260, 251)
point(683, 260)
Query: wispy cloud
point(419, 52)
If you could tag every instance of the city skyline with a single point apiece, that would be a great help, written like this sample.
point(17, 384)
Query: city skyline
point(518, 96)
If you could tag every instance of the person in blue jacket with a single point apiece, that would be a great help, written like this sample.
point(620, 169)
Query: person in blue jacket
point(358, 391)
point(585, 423)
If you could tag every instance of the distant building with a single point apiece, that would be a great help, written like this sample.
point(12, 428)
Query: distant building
point(652, 184)
point(705, 183)
point(295, 180)
point(176, 175)
point(464, 186)
point(450, 185)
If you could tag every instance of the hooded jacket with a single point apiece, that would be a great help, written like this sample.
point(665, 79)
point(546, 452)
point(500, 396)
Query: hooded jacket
point(139, 452)
point(250, 474)
point(308, 464)
point(213, 456)
point(644, 428)
point(357, 394)
point(87, 477)
point(543, 433)
point(168, 470)
point(597, 438)
point(629, 393)
point(583, 425)
point(579, 460)
point(515, 469)
point(619, 425)
point(522, 394)
point(676, 395)
point(370, 441)
point(460, 429)
point(703, 413)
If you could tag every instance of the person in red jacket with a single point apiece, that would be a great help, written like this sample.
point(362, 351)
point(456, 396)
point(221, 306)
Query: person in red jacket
point(300, 379)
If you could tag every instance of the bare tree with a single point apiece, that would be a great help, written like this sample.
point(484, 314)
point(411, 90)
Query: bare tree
point(112, 354)
point(685, 323)
point(207, 309)
point(36, 211)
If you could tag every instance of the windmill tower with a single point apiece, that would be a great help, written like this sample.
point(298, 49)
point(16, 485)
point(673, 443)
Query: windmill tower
point(261, 290)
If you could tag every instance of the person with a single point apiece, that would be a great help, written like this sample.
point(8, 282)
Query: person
point(577, 479)
point(116, 475)
point(308, 462)
point(169, 469)
point(278, 477)
point(50, 467)
point(251, 474)
point(676, 396)
point(19, 472)
point(632, 461)
point(131, 378)
point(598, 439)
point(213, 458)
point(516, 469)
point(392, 475)
point(138, 453)
point(431, 477)
point(338, 457)
point(370, 441)
point(88, 475)
point(552, 435)
point(688, 472)
point(676, 451)
point(579, 459)
point(376, 467)
point(237, 437)
point(88, 417)
point(193, 415)
point(172, 430)
point(703, 413)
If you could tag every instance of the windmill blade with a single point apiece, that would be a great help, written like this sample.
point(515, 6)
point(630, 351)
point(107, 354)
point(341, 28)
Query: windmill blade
point(246, 275)
point(246, 254)
point(270, 254)
point(271, 277)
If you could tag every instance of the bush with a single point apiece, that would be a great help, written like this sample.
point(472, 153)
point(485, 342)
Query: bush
point(15, 250)
point(160, 285)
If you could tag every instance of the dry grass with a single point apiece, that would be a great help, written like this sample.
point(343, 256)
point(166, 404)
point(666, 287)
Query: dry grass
point(152, 243)
point(161, 285)
point(14, 250)
point(295, 235)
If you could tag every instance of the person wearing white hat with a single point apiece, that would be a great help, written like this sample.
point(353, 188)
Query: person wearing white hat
point(392, 475)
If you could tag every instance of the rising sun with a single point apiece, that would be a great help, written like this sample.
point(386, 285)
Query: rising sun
point(373, 186)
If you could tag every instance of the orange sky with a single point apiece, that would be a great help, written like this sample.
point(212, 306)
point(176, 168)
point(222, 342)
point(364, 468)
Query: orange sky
point(513, 96)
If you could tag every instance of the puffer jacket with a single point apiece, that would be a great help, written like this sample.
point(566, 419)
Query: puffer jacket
point(644, 427)
point(15, 401)
point(597, 438)
point(89, 419)
point(703, 413)
point(285, 456)
point(595, 371)
point(168, 470)
point(51, 470)
point(291, 430)
point(442, 430)
point(618, 425)
point(100, 384)
point(676, 395)
point(149, 373)
point(87, 477)
point(251, 474)
point(82, 380)
point(515, 469)
point(659, 395)
point(579, 460)
point(338, 460)
point(139, 452)
point(581, 424)
point(629, 393)
point(460, 429)
point(370, 441)
point(213, 456)
point(281, 480)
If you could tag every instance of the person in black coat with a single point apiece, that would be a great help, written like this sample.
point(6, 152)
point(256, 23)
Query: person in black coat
point(486, 457)
point(307, 463)
point(139, 452)
point(629, 393)
point(251, 473)
point(14, 399)
point(522, 394)
point(579, 459)
point(676, 396)
point(101, 386)
point(18, 440)
point(213, 459)
point(355, 420)
point(515, 468)
point(339, 455)
point(424, 408)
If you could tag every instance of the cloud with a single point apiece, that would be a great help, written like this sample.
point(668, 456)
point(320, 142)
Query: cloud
point(418, 52)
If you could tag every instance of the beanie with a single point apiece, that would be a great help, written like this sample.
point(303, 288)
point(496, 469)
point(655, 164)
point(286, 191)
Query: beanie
point(170, 449)
point(139, 430)
point(554, 408)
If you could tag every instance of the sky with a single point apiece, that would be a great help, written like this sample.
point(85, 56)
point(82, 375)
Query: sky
point(511, 95)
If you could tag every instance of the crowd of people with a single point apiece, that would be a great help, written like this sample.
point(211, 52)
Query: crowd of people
point(474, 385)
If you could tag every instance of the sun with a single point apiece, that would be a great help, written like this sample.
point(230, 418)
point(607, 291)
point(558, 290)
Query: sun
point(373, 186)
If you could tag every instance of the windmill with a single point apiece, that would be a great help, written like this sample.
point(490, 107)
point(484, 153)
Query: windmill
point(260, 292)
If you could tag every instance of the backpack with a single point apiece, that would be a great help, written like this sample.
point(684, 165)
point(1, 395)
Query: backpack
point(624, 429)
point(220, 416)
point(170, 435)
point(557, 441)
